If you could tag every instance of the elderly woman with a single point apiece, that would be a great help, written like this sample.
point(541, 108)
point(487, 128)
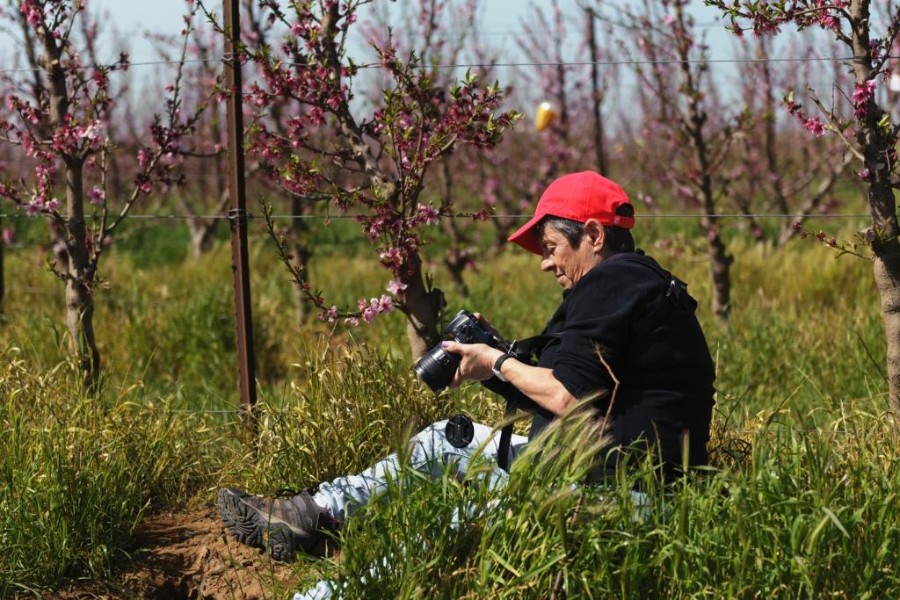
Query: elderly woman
point(625, 325)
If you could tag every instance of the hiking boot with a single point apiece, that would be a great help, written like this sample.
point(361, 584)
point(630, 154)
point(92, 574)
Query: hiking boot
point(282, 526)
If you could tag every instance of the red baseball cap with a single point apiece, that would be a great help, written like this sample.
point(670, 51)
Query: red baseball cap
point(579, 197)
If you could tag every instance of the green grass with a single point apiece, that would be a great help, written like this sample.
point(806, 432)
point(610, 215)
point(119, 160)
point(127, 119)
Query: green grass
point(800, 504)
point(78, 473)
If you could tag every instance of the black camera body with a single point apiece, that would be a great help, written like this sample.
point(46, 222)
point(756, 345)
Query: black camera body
point(437, 366)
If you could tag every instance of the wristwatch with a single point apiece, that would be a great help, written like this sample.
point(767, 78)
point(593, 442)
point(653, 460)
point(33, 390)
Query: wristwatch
point(499, 363)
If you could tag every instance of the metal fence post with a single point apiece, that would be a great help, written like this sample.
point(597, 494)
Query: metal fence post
point(237, 215)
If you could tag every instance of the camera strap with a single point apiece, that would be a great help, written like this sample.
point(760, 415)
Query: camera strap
point(524, 350)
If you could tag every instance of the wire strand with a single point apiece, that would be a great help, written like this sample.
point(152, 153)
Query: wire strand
point(583, 63)
point(164, 217)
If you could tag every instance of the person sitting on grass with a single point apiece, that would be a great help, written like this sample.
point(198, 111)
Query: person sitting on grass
point(624, 335)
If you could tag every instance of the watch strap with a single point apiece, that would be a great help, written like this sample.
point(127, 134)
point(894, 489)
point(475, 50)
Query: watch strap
point(499, 363)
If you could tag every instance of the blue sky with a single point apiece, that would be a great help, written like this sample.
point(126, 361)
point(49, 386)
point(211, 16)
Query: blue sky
point(502, 19)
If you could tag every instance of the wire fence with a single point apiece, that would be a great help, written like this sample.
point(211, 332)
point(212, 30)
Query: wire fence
point(250, 216)
point(507, 65)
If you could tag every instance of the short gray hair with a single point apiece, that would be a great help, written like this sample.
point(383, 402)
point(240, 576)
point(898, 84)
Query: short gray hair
point(617, 239)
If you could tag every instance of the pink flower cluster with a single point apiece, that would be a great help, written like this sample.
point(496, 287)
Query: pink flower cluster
point(97, 196)
point(812, 124)
point(374, 307)
point(425, 214)
point(374, 165)
point(33, 12)
point(862, 93)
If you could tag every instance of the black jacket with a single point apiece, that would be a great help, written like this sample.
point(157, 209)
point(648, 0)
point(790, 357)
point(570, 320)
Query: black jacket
point(641, 320)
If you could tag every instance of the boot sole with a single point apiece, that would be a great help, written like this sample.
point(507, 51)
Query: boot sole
point(242, 521)
point(239, 519)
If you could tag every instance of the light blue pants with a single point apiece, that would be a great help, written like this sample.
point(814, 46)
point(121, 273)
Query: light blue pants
point(430, 452)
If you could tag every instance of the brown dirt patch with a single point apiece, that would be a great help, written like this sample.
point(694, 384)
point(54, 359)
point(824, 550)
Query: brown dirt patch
point(189, 555)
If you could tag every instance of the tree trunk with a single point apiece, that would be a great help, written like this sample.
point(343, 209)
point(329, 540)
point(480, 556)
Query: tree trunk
point(202, 235)
point(720, 272)
point(878, 144)
point(80, 276)
point(2, 274)
point(886, 247)
point(422, 308)
point(303, 253)
point(596, 94)
point(719, 259)
point(887, 277)
point(80, 269)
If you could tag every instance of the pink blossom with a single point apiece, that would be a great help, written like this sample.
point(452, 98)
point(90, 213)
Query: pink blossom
point(815, 126)
point(9, 235)
point(396, 287)
point(89, 133)
point(96, 196)
point(862, 93)
point(34, 206)
point(393, 257)
point(34, 16)
point(428, 214)
point(385, 304)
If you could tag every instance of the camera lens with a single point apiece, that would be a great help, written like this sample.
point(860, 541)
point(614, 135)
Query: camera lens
point(437, 368)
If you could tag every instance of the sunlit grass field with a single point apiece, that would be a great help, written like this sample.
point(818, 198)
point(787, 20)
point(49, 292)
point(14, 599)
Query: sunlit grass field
point(800, 501)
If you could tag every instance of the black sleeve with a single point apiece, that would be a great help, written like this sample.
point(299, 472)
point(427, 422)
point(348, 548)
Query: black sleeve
point(597, 318)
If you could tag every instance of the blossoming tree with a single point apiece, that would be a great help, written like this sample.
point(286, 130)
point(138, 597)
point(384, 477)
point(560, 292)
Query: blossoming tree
point(866, 128)
point(686, 118)
point(57, 120)
point(374, 165)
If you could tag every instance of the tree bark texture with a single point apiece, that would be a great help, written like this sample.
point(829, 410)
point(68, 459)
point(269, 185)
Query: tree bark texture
point(80, 271)
point(422, 308)
point(80, 276)
point(719, 259)
point(2, 274)
point(877, 144)
point(303, 254)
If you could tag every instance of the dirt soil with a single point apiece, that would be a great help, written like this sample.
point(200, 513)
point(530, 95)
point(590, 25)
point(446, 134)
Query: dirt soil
point(188, 555)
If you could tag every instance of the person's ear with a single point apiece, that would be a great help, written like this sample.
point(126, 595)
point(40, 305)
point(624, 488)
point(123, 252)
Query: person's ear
point(594, 234)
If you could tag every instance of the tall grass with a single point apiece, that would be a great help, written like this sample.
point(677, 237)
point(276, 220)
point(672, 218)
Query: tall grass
point(799, 504)
point(809, 517)
point(77, 473)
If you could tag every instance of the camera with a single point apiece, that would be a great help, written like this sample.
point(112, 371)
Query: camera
point(437, 367)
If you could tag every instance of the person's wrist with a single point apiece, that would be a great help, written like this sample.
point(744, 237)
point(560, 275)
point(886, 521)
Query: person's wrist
point(498, 365)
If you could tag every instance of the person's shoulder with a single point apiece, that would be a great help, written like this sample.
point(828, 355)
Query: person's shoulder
point(626, 271)
point(634, 263)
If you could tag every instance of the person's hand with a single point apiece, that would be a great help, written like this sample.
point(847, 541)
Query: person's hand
point(476, 361)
